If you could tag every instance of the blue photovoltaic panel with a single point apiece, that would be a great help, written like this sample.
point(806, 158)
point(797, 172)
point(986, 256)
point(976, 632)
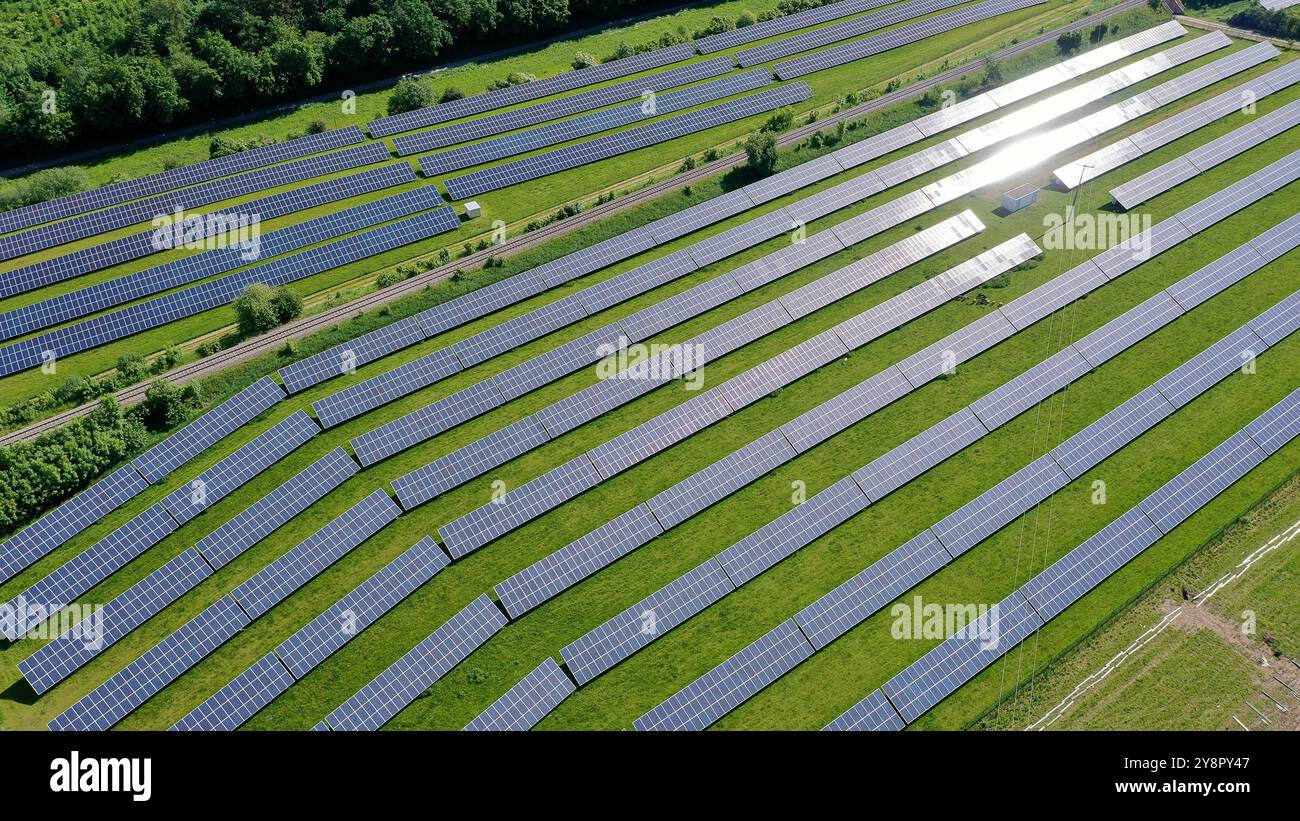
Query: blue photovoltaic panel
point(275, 582)
point(356, 611)
point(135, 246)
point(500, 98)
point(103, 627)
point(545, 368)
point(422, 484)
point(1190, 490)
point(852, 406)
point(634, 628)
point(560, 159)
point(1278, 425)
point(87, 569)
point(346, 357)
point(1021, 393)
point(835, 613)
point(1053, 295)
point(235, 703)
point(412, 674)
point(514, 332)
point(666, 429)
point(955, 348)
point(1278, 322)
point(728, 685)
point(528, 702)
point(425, 423)
point(196, 437)
point(873, 713)
point(918, 454)
point(562, 107)
point(1196, 375)
point(1128, 328)
point(217, 482)
point(124, 214)
point(720, 479)
point(928, 680)
point(357, 399)
point(68, 519)
point(119, 192)
point(995, 508)
point(113, 700)
point(576, 561)
point(1111, 432)
point(786, 23)
point(277, 507)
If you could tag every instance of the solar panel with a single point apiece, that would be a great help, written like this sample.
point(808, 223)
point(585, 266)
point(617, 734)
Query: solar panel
point(545, 368)
point(853, 405)
point(1196, 375)
point(514, 332)
point(1218, 206)
point(183, 445)
point(444, 473)
point(119, 192)
point(805, 174)
point(1032, 386)
point(926, 682)
point(1278, 425)
point(610, 145)
point(383, 388)
point(878, 145)
point(85, 570)
point(579, 408)
point(945, 355)
point(562, 107)
point(918, 454)
point(265, 515)
point(634, 628)
point(720, 479)
point(121, 215)
point(412, 674)
point(1279, 321)
point(1192, 489)
point(792, 530)
point(113, 700)
point(468, 533)
point(235, 703)
point(1114, 430)
point(528, 702)
point(68, 519)
point(1128, 328)
point(782, 369)
point(576, 561)
point(849, 604)
point(103, 627)
point(681, 223)
point(873, 713)
point(660, 432)
point(499, 98)
point(393, 437)
point(1000, 505)
point(1053, 295)
point(784, 24)
point(141, 244)
point(585, 125)
point(349, 355)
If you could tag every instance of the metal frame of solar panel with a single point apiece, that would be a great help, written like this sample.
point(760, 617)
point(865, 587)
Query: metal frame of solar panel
point(873, 713)
point(560, 159)
point(136, 246)
point(910, 33)
point(195, 267)
point(424, 483)
point(528, 702)
point(521, 142)
point(500, 98)
point(119, 192)
point(398, 685)
point(159, 310)
point(120, 216)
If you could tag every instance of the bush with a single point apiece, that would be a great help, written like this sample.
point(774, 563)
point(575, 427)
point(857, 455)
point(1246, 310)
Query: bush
point(1069, 42)
point(166, 406)
point(717, 25)
point(451, 93)
point(779, 121)
point(316, 127)
point(760, 152)
point(584, 59)
point(261, 308)
point(131, 368)
point(745, 19)
point(42, 186)
point(75, 390)
point(408, 95)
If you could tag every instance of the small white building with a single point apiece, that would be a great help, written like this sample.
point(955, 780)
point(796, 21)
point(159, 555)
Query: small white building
point(473, 210)
point(1020, 197)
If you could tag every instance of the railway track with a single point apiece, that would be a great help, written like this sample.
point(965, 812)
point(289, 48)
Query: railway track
point(273, 340)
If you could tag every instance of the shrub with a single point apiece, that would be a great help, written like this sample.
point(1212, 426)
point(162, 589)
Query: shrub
point(165, 405)
point(1069, 42)
point(408, 95)
point(261, 308)
point(584, 59)
point(760, 152)
point(451, 93)
point(316, 127)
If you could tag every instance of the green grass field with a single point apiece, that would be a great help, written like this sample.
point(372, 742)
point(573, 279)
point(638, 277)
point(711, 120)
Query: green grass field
point(835, 678)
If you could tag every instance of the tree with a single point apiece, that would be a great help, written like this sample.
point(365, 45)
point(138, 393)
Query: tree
point(409, 94)
point(760, 150)
point(255, 311)
point(362, 40)
point(286, 304)
point(1069, 42)
point(418, 35)
point(166, 406)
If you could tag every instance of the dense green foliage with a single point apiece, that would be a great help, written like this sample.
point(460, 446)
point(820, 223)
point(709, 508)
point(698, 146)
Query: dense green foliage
point(261, 308)
point(1274, 23)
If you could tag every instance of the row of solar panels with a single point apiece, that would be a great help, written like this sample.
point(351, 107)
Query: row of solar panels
point(770, 657)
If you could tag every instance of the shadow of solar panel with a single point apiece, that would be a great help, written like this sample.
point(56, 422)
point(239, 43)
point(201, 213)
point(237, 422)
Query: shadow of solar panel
point(85, 570)
point(467, 533)
point(275, 582)
point(119, 192)
point(500, 98)
point(1111, 432)
point(128, 610)
point(873, 713)
point(277, 507)
point(1209, 476)
point(124, 214)
point(528, 702)
point(1196, 375)
point(660, 432)
point(196, 437)
point(346, 357)
point(634, 628)
point(849, 604)
point(383, 388)
point(931, 678)
point(720, 479)
point(578, 560)
point(235, 703)
point(1026, 390)
point(69, 519)
point(786, 23)
point(544, 136)
point(731, 683)
point(945, 355)
point(1128, 328)
point(393, 437)
point(918, 454)
point(442, 474)
point(494, 124)
point(356, 611)
point(412, 674)
point(113, 700)
point(1000, 505)
point(792, 530)
point(853, 405)
point(560, 159)
point(218, 481)
point(135, 246)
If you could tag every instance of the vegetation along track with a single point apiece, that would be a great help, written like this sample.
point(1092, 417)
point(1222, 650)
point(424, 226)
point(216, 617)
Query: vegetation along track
point(252, 348)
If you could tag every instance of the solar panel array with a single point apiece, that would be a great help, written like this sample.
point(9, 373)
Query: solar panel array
point(235, 703)
point(903, 35)
point(119, 216)
point(412, 674)
point(611, 145)
point(785, 23)
point(1278, 5)
point(872, 714)
point(528, 702)
point(135, 246)
point(118, 192)
point(500, 98)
